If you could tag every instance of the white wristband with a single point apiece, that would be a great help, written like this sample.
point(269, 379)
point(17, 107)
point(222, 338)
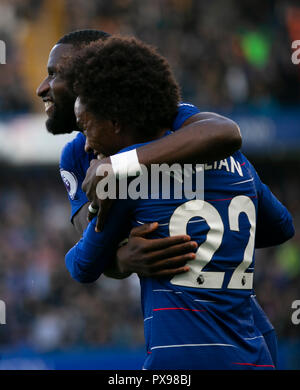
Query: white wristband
point(126, 164)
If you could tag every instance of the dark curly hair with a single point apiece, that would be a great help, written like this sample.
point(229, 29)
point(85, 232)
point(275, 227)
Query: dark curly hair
point(127, 81)
point(79, 38)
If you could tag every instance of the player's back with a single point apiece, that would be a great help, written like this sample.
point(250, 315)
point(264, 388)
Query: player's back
point(203, 318)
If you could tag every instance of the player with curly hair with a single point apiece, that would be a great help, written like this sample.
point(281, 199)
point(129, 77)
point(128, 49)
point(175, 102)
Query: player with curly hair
point(201, 319)
point(145, 105)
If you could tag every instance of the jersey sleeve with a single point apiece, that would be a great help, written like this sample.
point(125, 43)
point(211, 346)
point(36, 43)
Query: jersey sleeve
point(185, 111)
point(87, 260)
point(274, 222)
point(73, 174)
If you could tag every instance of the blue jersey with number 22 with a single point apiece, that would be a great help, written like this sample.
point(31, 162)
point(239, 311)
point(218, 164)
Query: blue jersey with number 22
point(202, 319)
point(75, 162)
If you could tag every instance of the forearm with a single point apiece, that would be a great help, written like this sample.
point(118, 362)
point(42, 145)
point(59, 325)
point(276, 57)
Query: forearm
point(95, 251)
point(113, 271)
point(87, 260)
point(274, 223)
point(77, 269)
point(212, 137)
point(274, 234)
point(80, 220)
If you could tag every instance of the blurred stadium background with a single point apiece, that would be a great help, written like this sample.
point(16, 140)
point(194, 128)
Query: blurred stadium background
point(230, 56)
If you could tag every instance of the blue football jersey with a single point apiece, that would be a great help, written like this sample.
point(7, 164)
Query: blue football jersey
point(74, 162)
point(202, 319)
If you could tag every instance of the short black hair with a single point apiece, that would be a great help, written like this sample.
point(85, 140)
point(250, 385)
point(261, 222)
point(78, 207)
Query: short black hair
point(127, 81)
point(83, 37)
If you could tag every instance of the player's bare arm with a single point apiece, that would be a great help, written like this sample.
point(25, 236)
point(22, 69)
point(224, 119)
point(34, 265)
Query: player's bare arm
point(156, 258)
point(204, 137)
point(163, 257)
point(62, 120)
point(219, 135)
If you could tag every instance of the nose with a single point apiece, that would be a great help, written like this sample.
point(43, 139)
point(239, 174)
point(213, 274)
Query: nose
point(87, 147)
point(43, 88)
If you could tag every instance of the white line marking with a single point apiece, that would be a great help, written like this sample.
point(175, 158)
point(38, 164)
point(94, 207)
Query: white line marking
point(148, 318)
point(240, 182)
point(203, 300)
point(167, 223)
point(252, 338)
point(193, 345)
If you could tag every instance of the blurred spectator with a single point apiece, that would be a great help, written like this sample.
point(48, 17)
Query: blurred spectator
point(47, 309)
point(224, 53)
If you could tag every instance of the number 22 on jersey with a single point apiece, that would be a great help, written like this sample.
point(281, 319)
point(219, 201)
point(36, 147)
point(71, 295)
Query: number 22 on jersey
point(198, 278)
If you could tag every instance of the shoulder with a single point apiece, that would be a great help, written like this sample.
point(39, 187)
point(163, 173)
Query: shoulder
point(248, 165)
point(72, 163)
point(72, 151)
point(185, 111)
point(184, 106)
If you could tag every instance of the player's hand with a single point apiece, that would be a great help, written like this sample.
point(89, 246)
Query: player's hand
point(91, 179)
point(97, 207)
point(161, 257)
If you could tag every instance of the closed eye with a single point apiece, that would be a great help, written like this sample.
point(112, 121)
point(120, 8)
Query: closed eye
point(80, 127)
point(51, 72)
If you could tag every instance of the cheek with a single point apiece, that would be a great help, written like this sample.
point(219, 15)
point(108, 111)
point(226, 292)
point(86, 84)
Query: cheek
point(60, 91)
point(100, 138)
point(93, 135)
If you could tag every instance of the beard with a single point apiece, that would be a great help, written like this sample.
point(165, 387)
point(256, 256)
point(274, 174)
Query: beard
point(62, 121)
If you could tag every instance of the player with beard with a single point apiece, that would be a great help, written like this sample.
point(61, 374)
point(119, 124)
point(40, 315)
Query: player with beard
point(202, 319)
point(208, 135)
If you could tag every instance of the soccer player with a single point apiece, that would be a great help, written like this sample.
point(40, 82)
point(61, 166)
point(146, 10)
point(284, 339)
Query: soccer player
point(201, 319)
point(207, 135)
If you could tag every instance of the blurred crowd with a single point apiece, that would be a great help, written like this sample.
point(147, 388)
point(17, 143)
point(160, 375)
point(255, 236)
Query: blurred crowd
point(277, 269)
point(225, 53)
point(48, 310)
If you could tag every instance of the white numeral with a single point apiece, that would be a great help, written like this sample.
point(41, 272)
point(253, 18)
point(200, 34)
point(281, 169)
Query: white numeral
point(199, 208)
point(206, 250)
point(241, 279)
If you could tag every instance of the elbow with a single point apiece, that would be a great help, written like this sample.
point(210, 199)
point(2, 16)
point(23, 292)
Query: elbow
point(288, 230)
point(76, 270)
point(225, 136)
point(85, 279)
point(232, 135)
point(291, 231)
point(276, 237)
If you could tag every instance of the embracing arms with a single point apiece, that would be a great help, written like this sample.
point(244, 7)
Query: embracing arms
point(204, 137)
